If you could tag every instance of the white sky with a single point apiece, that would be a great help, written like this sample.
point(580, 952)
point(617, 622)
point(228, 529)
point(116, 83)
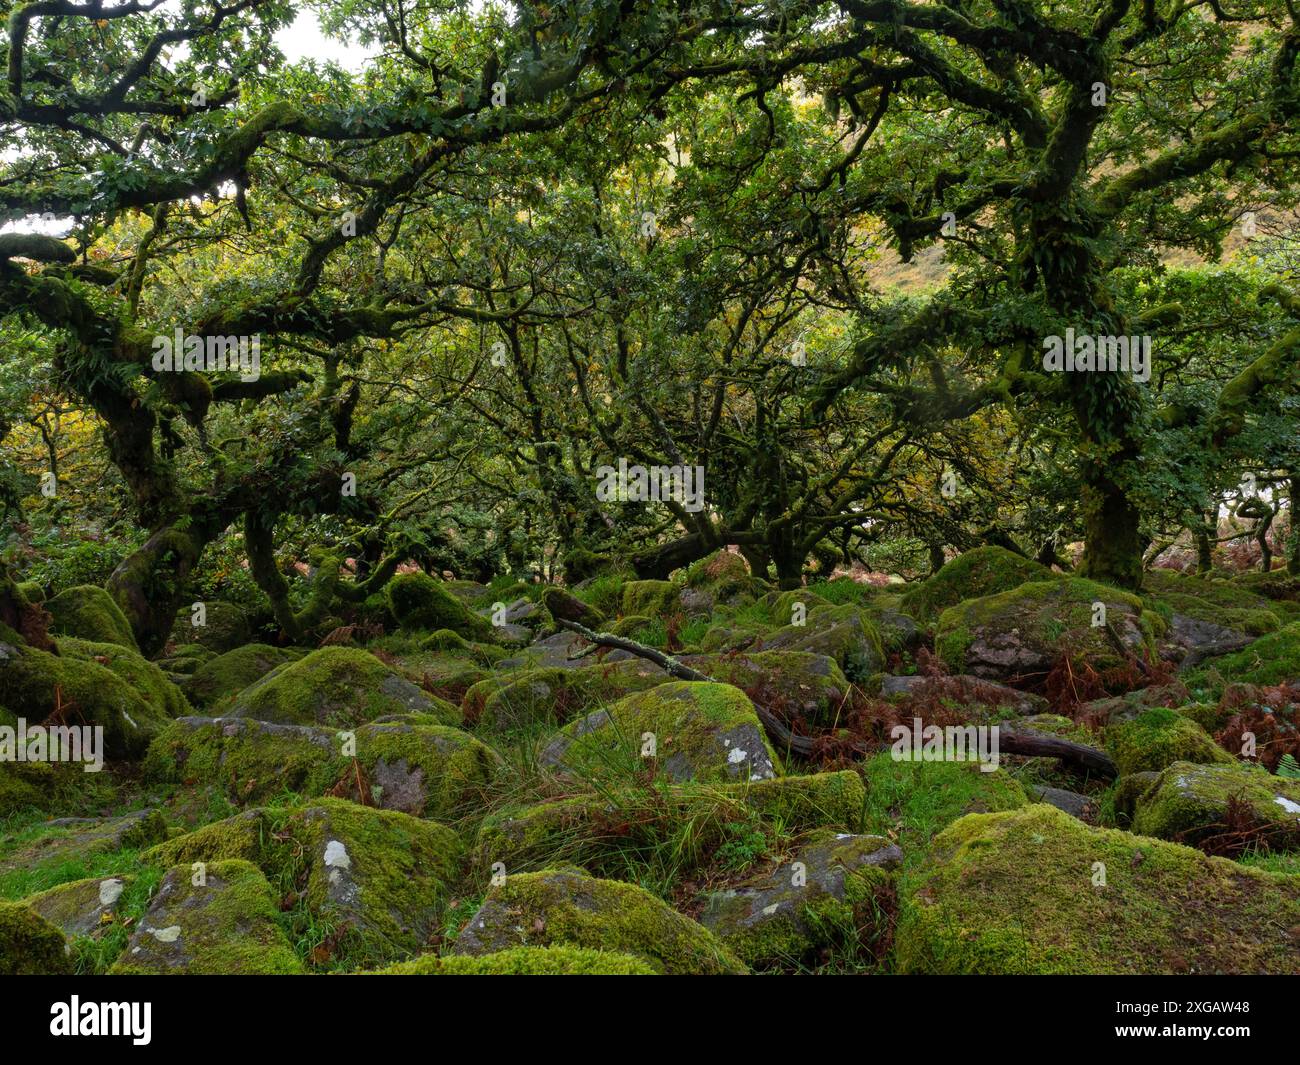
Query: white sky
point(304, 40)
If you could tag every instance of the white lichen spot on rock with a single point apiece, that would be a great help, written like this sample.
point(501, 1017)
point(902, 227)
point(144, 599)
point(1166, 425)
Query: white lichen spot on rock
point(1287, 805)
point(336, 855)
point(110, 891)
point(166, 935)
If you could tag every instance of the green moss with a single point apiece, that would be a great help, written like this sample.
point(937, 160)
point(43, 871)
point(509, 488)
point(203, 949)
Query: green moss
point(89, 612)
point(650, 598)
point(524, 961)
point(559, 907)
point(1269, 660)
point(818, 800)
point(225, 627)
point(143, 676)
point(225, 924)
point(31, 591)
point(249, 760)
point(225, 675)
point(972, 575)
point(420, 602)
point(1027, 629)
point(603, 593)
point(556, 695)
point(705, 732)
point(1157, 738)
point(1019, 893)
point(30, 945)
point(1189, 803)
point(42, 683)
point(335, 687)
point(427, 770)
point(1214, 601)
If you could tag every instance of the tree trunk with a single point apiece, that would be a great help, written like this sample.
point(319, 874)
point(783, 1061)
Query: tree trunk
point(151, 583)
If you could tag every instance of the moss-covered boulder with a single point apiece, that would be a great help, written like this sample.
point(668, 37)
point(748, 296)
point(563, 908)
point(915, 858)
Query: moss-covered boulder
point(971, 575)
point(797, 682)
point(426, 769)
point(421, 769)
point(335, 687)
point(30, 945)
point(143, 676)
point(556, 695)
point(846, 633)
point(184, 661)
point(524, 961)
point(1271, 659)
point(248, 760)
point(378, 877)
point(825, 897)
point(563, 606)
point(42, 684)
point(224, 675)
point(1159, 737)
point(90, 613)
point(225, 626)
point(655, 599)
point(443, 675)
point(563, 907)
point(1191, 803)
point(80, 907)
point(374, 882)
point(220, 920)
point(705, 732)
point(1035, 891)
point(420, 602)
point(1025, 632)
point(1221, 603)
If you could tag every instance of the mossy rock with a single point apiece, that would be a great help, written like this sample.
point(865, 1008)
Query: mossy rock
point(420, 602)
point(1270, 660)
point(225, 626)
point(50, 787)
point(227, 674)
point(557, 695)
point(380, 877)
point(786, 607)
point(1188, 803)
point(1021, 893)
point(1160, 737)
point(971, 575)
point(653, 599)
point(80, 907)
point(704, 732)
point(631, 625)
point(249, 760)
point(426, 770)
point(226, 924)
point(567, 908)
point(718, 568)
point(1024, 632)
point(30, 945)
point(845, 633)
point(42, 683)
point(1217, 602)
point(816, 800)
point(335, 687)
point(377, 879)
point(798, 682)
point(727, 634)
point(185, 659)
point(524, 961)
point(430, 770)
point(826, 897)
point(90, 613)
point(603, 593)
point(32, 591)
point(443, 675)
point(143, 676)
point(453, 643)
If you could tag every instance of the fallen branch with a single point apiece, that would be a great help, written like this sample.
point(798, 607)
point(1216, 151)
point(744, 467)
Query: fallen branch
point(776, 728)
point(1038, 744)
